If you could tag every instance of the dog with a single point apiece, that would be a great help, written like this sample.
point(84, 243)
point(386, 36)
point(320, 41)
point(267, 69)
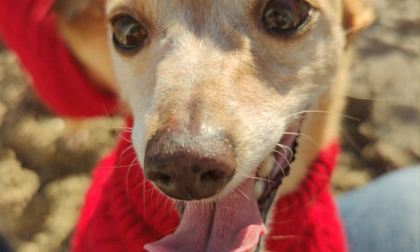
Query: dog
point(226, 96)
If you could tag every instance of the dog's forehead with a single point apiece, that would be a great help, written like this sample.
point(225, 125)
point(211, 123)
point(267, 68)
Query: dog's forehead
point(198, 11)
point(168, 7)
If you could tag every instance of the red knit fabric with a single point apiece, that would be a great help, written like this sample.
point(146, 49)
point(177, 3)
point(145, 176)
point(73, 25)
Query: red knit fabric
point(130, 213)
point(28, 27)
point(307, 220)
point(123, 211)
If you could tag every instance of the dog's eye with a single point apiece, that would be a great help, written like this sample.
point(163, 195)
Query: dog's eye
point(285, 15)
point(128, 32)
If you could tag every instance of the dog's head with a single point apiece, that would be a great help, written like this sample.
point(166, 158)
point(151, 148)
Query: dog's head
point(213, 85)
point(217, 88)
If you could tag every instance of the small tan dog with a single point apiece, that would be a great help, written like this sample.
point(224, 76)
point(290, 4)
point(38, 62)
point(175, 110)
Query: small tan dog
point(217, 88)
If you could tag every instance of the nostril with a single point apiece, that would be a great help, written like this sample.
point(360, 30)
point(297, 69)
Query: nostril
point(160, 177)
point(196, 169)
point(211, 176)
point(164, 179)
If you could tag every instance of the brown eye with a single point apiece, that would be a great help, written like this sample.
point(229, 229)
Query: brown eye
point(285, 15)
point(128, 32)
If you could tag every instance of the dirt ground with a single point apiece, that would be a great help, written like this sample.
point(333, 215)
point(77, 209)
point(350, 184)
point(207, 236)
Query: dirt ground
point(45, 161)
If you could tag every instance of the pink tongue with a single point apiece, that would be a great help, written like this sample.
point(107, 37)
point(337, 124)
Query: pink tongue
point(231, 224)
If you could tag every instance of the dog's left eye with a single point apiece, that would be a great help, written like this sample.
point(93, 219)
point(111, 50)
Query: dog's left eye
point(285, 15)
point(128, 32)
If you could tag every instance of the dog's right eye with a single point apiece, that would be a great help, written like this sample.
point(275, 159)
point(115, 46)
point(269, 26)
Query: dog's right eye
point(128, 32)
point(285, 17)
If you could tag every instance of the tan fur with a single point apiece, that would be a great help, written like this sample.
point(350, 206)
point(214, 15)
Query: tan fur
point(356, 16)
point(208, 66)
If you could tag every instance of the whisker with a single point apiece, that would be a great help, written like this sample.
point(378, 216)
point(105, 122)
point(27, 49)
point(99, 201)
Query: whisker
point(324, 112)
point(281, 168)
point(127, 186)
point(128, 148)
point(144, 196)
point(303, 136)
point(158, 200)
point(166, 204)
point(173, 206)
point(258, 171)
point(257, 178)
point(285, 148)
point(140, 184)
point(120, 135)
point(130, 155)
point(114, 167)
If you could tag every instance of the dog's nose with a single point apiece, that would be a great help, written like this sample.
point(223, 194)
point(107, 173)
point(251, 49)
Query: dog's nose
point(189, 167)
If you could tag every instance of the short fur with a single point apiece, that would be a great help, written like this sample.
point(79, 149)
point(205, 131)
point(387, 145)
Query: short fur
point(214, 66)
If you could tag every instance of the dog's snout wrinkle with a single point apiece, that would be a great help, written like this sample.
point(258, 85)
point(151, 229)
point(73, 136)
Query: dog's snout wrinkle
point(189, 166)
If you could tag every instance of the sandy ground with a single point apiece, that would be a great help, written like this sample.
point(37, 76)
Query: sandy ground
point(45, 160)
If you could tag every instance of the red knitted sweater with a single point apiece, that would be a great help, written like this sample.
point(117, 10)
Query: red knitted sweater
point(123, 211)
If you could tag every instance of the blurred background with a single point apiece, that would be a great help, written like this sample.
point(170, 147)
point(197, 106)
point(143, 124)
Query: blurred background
point(45, 161)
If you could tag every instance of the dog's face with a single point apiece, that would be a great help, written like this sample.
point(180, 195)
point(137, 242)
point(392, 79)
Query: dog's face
point(234, 71)
point(217, 89)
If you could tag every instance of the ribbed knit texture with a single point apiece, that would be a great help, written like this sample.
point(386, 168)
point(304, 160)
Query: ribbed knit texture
point(123, 212)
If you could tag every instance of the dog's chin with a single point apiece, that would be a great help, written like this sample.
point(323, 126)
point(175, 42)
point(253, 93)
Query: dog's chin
point(239, 216)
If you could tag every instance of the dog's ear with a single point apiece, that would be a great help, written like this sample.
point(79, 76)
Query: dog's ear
point(357, 15)
point(83, 27)
point(71, 9)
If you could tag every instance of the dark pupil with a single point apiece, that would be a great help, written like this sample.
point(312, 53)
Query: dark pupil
point(129, 32)
point(283, 19)
point(284, 14)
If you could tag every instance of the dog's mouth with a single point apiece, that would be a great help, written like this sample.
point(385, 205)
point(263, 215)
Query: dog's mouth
point(274, 169)
point(237, 221)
